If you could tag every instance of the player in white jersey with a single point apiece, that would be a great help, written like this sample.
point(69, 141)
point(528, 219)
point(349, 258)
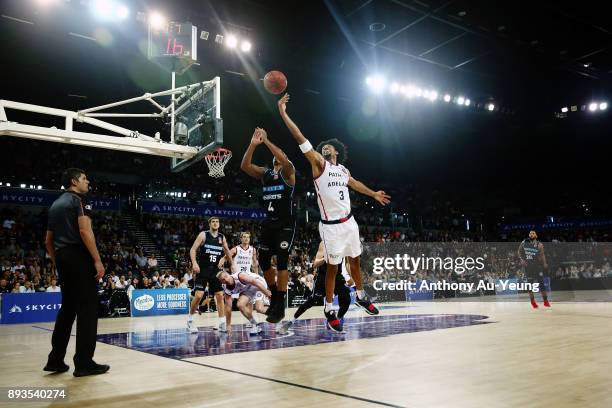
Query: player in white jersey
point(251, 288)
point(244, 255)
point(338, 229)
point(244, 260)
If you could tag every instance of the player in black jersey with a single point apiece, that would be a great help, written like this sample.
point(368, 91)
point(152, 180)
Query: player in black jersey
point(533, 259)
point(206, 251)
point(318, 291)
point(279, 226)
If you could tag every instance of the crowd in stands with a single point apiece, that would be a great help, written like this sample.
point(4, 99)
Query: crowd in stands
point(26, 268)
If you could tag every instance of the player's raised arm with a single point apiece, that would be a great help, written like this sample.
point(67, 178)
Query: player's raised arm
point(192, 252)
point(316, 160)
point(281, 158)
point(247, 160)
point(379, 196)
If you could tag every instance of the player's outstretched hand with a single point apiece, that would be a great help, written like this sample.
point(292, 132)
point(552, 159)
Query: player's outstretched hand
point(257, 138)
point(282, 103)
point(382, 197)
point(263, 134)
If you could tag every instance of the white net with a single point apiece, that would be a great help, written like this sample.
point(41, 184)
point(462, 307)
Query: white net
point(216, 162)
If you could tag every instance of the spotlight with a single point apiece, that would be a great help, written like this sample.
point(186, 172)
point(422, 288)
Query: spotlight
point(564, 109)
point(122, 12)
point(8, 184)
point(22, 185)
point(410, 91)
point(433, 95)
point(376, 83)
point(460, 100)
point(39, 187)
point(204, 35)
point(593, 107)
point(574, 108)
point(102, 8)
point(232, 41)
point(246, 46)
point(490, 106)
point(157, 21)
point(603, 106)
point(219, 39)
point(426, 94)
point(418, 91)
point(467, 102)
point(447, 98)
point(395, 88)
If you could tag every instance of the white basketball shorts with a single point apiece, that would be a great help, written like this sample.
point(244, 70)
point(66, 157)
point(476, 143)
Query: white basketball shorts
point(340, 240)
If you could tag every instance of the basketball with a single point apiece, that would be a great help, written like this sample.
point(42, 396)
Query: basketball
point(275, 82)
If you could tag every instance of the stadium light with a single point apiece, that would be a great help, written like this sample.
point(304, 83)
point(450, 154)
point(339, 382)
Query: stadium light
point(603, 106)
point(418, 91)
point(156, 20)
point(447, 98)
point(376, 83)
point(433, 95)
point(394, 88)
point(564, 109)
point(22, 185)
point(490, 107)
point(122, 11)
point(231, 41)
point(102, 9)
point(39, 187)
point(8, 184)
point(460, 100)
point(246, 46)
point(592, 106)
point(467, 102)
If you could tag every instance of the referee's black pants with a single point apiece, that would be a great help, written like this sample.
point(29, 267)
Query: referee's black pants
point(77, 278)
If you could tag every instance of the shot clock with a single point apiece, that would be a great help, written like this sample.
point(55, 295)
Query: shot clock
point(174, 46)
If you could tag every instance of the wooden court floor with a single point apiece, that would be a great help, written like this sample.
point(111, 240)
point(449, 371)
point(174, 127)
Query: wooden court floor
point(419, 354)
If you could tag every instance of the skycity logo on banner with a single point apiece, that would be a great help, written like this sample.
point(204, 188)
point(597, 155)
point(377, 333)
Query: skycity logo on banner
point(155, 302)
point(202, 210)
point(30, 307)
point(44, 198)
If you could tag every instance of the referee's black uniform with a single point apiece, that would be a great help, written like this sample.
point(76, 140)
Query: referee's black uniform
point(77, 277)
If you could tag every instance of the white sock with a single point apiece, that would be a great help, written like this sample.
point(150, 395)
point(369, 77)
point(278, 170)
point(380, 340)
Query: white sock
point(360, 294)
point(222, 320)
point(190, 318)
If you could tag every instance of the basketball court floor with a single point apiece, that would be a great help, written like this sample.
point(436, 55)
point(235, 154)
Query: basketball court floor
point(415, 354)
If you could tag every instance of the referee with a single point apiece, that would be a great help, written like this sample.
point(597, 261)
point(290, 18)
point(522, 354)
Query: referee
point(72, 247)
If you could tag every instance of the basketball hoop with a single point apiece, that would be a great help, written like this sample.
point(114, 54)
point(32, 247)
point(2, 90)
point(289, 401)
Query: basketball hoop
point(216, 161)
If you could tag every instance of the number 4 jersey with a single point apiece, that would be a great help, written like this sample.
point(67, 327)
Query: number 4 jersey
point(277, 197)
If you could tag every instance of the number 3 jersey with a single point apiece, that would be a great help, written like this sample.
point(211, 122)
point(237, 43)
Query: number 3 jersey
point(332, 192)
point(243, 259)
point(277, 197)
point(210, 252)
